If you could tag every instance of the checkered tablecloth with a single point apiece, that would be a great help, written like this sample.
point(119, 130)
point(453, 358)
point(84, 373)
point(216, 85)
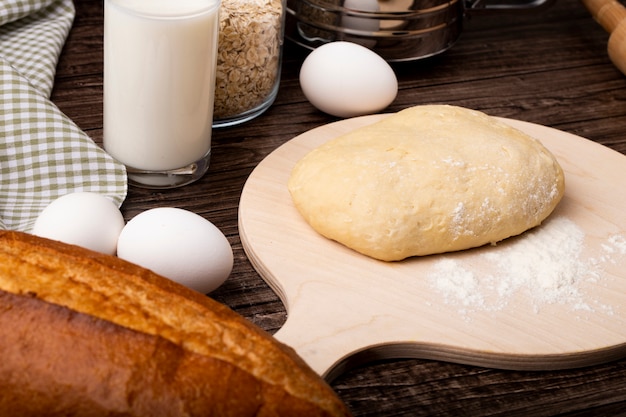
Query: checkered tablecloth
point(43, 154)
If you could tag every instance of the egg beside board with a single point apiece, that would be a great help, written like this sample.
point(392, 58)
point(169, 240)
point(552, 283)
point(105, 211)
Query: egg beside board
point(86, 219)
point(345, 79)
point(175, 243)
point(180, 245)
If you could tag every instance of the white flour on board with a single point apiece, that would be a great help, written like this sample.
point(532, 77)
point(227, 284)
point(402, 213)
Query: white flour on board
point(547, 265)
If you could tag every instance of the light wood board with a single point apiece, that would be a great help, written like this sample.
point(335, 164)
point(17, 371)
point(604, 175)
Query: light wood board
point(344, 308)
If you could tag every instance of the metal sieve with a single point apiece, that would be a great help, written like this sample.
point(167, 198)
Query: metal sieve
point(398, 30)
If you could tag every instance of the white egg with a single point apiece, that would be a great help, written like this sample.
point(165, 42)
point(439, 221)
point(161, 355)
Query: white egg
point(346, 80)
point(180, 245)
point(367, 24)
point(85, 219)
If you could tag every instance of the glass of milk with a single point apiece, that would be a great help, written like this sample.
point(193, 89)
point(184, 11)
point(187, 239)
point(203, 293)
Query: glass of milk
point(159, 86)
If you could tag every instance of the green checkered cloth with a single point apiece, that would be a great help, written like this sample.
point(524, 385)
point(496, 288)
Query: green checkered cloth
point(43, 154)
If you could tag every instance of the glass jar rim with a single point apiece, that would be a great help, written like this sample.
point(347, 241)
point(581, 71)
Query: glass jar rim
point(167, 9)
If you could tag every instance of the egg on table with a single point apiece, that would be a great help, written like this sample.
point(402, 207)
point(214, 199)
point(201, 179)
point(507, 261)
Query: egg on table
point(180, 245)
point(344, 79)
point(86, 219)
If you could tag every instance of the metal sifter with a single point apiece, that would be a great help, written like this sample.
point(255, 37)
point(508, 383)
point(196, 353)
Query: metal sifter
point(398, 30)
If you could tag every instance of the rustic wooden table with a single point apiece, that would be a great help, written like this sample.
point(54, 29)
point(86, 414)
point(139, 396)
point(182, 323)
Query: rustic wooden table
point(549, 68)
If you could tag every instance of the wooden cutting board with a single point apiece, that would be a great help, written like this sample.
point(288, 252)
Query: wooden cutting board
point(469, 307)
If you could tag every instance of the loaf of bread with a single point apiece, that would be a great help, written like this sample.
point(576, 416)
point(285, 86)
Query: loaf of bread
point(86, 334)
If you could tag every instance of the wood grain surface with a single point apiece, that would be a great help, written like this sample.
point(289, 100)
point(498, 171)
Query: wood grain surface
point(550, 68)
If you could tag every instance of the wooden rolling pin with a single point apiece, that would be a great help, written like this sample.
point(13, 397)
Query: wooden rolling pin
point(612, 16)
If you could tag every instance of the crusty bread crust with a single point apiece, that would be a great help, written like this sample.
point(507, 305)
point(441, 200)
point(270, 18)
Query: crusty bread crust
point(83, 333)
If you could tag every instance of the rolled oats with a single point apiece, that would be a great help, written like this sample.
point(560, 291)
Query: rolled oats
point(249, 56)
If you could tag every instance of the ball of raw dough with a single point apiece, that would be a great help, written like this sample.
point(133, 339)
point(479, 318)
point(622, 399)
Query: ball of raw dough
point(426, 180)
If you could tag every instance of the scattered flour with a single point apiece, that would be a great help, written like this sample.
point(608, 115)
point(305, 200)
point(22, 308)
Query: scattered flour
point(546, 264)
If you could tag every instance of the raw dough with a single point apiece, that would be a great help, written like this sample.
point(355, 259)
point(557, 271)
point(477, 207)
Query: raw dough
point(428, 179)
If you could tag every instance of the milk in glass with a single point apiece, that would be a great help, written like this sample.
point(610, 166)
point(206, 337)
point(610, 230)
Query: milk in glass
point(159, 84)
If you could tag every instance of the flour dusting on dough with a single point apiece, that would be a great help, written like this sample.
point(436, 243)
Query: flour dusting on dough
point(426, 180)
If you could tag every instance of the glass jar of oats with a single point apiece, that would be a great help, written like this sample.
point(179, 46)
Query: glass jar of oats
point(248, 61)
